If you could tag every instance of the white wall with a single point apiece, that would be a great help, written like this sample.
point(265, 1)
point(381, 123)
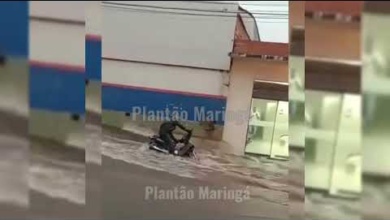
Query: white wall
point(57, 42)
point(67, 10)
point(198, 41)
point(239, 101)
point(163, 77)
point(244, 72)
point(93, 17)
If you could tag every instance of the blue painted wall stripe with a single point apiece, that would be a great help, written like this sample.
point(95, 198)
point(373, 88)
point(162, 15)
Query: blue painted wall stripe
point(57, 90)
point(128, 100)
point(14, 26)
point(93, 59)
point(63, 89)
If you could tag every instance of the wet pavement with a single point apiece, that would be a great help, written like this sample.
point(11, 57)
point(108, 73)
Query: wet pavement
point(14, 153)
point(315, 205)
point(375, 201)
point(56, 180)
point(296, 181)
point(39, 178)
point(63, 182)
point(129, 167)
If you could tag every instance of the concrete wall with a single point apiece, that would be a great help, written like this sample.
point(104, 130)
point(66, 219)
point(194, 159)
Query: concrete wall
point(169, 36)
point(14, 16)
point(173, 39)
point(243, 74)
point(58, 60)
point(14, 88)
point(63, 10)
point(14, 111)
point(13, 45)
point(296, 14)
point(57, 71)
point(146, 89)
point(57, 127)
point(155, 72)
point(159, 77)
point(50, 40)
point(93, 18)
point(57, 57)
point(93, 27)
point(324, 39)
point(93, 56)
point(128, 85)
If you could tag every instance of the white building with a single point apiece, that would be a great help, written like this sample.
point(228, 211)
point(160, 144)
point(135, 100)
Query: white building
point(181, 55)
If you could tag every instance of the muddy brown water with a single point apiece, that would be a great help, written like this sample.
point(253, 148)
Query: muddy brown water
point(112, 184)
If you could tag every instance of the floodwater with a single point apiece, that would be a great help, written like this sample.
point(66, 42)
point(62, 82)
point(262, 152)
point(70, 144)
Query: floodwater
point(57, 180)
point(129, 167)
point(38, 178)
point(109, 181)
point(13, 165)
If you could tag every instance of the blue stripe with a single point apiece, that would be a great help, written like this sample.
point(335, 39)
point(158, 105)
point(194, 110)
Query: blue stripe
point(57, 90)
point(14, 28)
point(93, 58)
point(126, 100)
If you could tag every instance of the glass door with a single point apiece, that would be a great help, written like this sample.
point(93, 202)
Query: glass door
point(280, 136)
point(347, 167)
point(322, 113)
point(261, 126)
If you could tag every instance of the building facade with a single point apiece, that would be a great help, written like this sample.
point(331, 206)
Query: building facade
point(57, 71)
point(158, 56)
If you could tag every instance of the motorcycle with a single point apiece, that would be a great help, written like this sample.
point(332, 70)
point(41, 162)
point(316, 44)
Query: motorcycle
point(184, 147)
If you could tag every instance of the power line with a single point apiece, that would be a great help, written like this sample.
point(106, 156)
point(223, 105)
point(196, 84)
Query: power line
point(239, 3)
point(192, 10)
point(268, 11)
point(264, 5)
point(197, 14)
point(272, 22)
point(215, 3)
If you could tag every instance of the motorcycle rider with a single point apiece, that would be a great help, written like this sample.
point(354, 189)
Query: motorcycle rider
point(166, 134)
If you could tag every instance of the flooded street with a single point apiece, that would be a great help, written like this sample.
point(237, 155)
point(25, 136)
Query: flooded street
point(287, 103)
point(64, 182)
point(56, 180)
point(129, 167)
point(109, 181)
point(14, 153)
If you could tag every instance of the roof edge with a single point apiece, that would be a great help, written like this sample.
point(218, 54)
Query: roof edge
point(254, 19)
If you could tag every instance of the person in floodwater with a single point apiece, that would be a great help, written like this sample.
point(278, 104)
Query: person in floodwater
point(166, 134)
